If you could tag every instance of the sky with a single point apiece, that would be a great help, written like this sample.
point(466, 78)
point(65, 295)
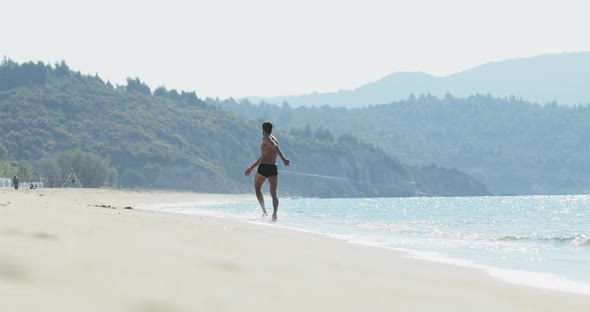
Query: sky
point(236, 48)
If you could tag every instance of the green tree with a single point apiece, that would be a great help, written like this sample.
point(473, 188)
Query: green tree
point(137, 85)
point(324, 135)
point(113, 178)
point(25, 171)
point(161, 91)
point(62, 69)
point(132, 177)
point(151, 171)
point(304, 133)
point(47, 167)
point(91, 169)
point(7, 170)
point(348, 139)
point(3, 150)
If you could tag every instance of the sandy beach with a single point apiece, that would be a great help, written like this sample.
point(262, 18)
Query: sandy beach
point(82, 250)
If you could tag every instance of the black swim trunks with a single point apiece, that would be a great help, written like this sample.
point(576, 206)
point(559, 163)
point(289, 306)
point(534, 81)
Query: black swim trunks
point(268, 170)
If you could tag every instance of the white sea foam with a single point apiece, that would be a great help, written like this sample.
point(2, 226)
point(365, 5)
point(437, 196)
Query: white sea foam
point(517, 277)
point(539, 280)
point(581, 241)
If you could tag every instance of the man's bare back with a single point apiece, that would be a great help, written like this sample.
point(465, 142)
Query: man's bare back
point(267, 149)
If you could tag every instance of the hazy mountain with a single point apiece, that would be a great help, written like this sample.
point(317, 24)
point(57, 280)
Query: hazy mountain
point(564, 78)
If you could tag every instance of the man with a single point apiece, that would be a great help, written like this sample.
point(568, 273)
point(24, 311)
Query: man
point(15, 182)
point(267, 168)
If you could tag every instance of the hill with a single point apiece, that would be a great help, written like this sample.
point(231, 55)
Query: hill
point(50, 116)
point(542, 79)
point(510, 145)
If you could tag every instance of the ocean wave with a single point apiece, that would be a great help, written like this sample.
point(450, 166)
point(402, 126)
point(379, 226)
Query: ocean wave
point(577, 240)
point(399, 228)
point(581, 241)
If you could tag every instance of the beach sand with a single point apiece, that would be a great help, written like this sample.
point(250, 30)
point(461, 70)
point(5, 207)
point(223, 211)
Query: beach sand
point(66, 250)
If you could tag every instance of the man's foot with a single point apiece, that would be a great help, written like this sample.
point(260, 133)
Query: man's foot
point(274, 218)
point(264, 214)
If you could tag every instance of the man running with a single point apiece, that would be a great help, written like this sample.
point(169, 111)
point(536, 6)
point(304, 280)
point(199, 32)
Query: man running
point(267, 168)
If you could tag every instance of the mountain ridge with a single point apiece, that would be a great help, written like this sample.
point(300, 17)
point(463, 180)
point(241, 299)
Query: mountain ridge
point(539, 79)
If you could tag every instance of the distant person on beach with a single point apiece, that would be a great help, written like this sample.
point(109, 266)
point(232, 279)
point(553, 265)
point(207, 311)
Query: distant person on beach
point(15, 182)
point(267, 168)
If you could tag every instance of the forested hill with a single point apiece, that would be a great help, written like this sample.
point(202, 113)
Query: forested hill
point(53, 118)
point(511, 145)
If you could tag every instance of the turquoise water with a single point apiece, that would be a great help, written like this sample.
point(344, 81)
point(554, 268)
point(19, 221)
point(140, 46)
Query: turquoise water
point(541, 241)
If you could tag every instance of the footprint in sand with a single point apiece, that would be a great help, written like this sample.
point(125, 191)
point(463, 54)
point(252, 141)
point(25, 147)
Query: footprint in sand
point(35, 235)
point(224, 266)
point(149, 306)
point(11, 271)
point(43, 236)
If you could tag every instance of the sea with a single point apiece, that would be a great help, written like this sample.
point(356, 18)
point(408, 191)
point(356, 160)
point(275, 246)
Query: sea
point(537, 241)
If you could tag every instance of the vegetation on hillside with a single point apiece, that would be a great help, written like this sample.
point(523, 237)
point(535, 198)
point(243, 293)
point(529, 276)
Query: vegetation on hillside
point(511, 145)
point(59, 121)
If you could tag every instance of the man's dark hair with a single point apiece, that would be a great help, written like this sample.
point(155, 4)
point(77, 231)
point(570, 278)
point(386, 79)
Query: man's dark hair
point(267, 127)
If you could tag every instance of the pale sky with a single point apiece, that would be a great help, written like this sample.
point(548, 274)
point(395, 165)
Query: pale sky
point(271, 47)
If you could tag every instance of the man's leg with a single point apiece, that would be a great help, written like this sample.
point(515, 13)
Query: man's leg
point(258, 181)
point(274, 184)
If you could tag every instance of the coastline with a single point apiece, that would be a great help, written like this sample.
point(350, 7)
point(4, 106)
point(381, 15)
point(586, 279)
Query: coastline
point(81, 250)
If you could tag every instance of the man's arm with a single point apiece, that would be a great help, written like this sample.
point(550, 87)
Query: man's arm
point(254, 165)
point(277, 149)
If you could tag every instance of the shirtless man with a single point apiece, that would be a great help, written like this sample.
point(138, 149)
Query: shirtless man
point(267, 168)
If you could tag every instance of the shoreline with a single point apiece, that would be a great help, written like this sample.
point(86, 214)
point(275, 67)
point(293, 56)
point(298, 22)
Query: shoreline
point(532, 279)
point(519, 277)
point(62, 248)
